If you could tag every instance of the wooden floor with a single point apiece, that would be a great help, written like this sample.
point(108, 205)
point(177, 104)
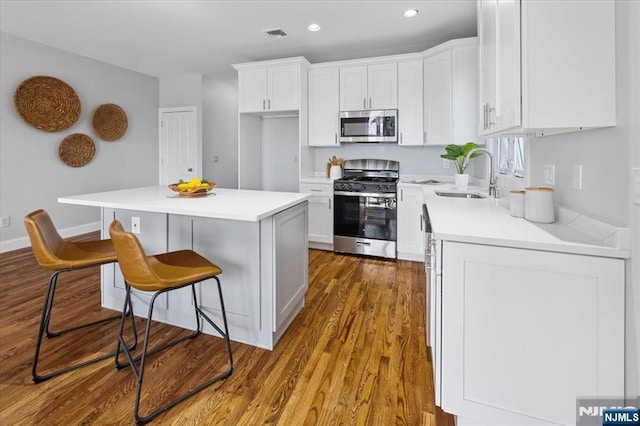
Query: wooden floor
point(355, 355)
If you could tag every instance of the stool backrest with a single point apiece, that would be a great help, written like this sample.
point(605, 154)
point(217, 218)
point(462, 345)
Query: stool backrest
point(44, 237)
point(132, 259)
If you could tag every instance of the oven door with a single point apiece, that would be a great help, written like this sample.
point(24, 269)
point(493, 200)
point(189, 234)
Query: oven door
point(370, 216)
point(365, 224)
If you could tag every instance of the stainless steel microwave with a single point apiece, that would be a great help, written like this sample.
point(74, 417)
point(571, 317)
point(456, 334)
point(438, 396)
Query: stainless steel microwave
point(369, 126)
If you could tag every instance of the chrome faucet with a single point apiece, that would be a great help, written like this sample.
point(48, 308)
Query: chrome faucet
point(493, 179)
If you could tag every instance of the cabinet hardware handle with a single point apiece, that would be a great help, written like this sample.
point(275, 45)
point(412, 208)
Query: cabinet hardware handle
point(316, 190)
point(484, 117)
point(263, 104)
point(364, 103)
point(268, 103)
point(190, 169)
point(329, 203)
point(421, 223)
point(369, 103)
point(335, 138)
point(489, 111)
point(401, 195)
point(424, 137)
point(400, 138)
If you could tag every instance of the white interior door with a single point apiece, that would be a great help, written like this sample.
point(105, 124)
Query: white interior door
point(180, 153)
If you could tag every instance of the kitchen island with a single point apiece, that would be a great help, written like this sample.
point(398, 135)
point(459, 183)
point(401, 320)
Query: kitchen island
point(257, 238)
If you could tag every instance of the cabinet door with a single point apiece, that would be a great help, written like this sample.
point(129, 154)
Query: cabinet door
point(321, 219)
point(525, 332)
point(508, 108)
point(252, 90)
point(410, 234)
point(487, 13)
point(353, 88)
point(383, 86)
point(283, 88)
point(324, 105)
point(437, 99)
point(410, 104)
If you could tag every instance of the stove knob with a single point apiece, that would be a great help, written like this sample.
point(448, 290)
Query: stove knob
point(349, 187)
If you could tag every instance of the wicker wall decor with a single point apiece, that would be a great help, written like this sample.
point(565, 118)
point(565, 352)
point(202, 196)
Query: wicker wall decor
point(109, 122)
point(76, 150)
point(47, 103)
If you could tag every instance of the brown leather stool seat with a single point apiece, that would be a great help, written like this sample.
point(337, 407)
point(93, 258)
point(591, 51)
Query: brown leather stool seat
point(57, 254)
point(160, 274)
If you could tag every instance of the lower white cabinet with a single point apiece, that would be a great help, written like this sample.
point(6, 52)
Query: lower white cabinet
point(320, 212)
point(526, 332)
point(410, 237)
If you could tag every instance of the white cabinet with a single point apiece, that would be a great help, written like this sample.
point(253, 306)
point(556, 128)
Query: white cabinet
point(320, 212)
point(324, 106)
point(410, 238)
point(526, 332)
point(450, 93)
point(369, 87)
point(269, 89)
point(410, 105)
point(546, 67)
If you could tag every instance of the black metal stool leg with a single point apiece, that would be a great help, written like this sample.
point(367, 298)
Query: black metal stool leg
point(139, 372)
point(44, 324)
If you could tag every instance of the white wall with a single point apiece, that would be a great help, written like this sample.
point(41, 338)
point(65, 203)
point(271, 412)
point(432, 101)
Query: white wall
point(413, 160)
point(607, 156)
point(220, 132)
point(31, 174)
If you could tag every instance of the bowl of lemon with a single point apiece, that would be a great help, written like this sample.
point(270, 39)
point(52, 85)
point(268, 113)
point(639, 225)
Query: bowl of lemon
point(193, 188)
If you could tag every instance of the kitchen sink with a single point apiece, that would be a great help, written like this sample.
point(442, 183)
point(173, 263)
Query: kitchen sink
point(460, 194)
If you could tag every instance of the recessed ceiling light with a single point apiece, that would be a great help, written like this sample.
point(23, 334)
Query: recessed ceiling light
point(410, 13)
point(314, 27)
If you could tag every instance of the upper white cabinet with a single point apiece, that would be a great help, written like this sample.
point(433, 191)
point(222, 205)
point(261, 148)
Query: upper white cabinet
point(410, 105)
point(267, 88)
point(546, 67)
point(324, 106)
point(369, 87)
point(450, 93)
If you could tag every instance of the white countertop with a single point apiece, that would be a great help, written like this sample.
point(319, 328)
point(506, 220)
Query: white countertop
point(220, 203)
point(485, 221)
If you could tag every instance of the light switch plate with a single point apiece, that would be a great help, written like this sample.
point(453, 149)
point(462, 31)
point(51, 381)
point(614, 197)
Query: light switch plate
point(549, 174)
point(135, 225)
point(635, 175)
point(577, 176)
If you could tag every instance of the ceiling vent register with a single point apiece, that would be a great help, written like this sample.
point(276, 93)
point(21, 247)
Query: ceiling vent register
point(275, 33)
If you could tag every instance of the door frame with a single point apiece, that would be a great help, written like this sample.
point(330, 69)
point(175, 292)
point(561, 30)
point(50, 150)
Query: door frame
point(197, 168)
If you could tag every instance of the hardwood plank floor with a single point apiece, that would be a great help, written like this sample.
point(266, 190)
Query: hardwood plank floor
point(355, 355)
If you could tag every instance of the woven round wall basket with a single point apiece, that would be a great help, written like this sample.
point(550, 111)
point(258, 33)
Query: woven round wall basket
point(76, 150)
point(47, 103)
point(109, 122)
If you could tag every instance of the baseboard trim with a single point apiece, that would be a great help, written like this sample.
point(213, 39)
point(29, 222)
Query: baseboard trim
point(22, 242)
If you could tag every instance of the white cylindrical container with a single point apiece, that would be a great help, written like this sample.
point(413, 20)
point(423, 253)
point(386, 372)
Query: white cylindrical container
point(516, 203)
point(538, 205)
point(335, 172)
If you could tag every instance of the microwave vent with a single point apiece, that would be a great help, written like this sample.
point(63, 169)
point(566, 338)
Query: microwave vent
point(275, 33)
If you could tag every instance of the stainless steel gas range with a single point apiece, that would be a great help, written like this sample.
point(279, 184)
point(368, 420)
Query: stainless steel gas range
point(365, 206)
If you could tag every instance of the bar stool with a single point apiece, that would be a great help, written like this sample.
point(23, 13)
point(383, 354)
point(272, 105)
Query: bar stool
point(160, 274)
point(54, 253)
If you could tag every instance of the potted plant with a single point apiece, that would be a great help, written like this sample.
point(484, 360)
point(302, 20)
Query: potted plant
point(457, 154)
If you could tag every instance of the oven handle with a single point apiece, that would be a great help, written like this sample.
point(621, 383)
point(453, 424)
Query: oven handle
point(364, 194)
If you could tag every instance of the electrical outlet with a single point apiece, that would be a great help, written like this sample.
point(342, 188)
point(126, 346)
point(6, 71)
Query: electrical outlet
point(135, 225)
point(446, 163)
point(6, 221)
point(549, 174)
point(577, 176)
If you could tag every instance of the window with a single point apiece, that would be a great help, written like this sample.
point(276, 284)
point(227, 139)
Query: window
point(509, 156)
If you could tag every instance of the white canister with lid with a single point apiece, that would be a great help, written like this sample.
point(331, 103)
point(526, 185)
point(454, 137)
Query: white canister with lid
point(516, 203)
point(538, 204)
